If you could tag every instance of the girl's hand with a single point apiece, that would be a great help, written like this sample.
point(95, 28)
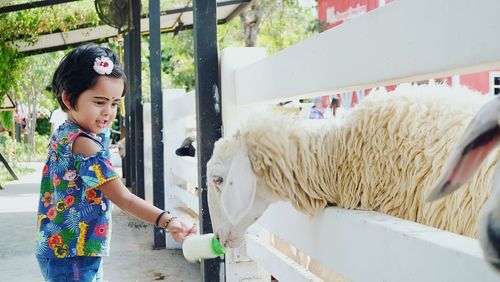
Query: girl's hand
point(179, 229)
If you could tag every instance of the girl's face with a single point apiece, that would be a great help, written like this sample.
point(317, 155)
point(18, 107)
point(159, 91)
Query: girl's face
point(96, 107)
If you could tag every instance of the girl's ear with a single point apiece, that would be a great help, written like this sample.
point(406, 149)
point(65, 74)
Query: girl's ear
point(65, 100)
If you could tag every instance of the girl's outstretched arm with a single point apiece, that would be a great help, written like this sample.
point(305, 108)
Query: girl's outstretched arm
point(123, 198)
point(119, 194)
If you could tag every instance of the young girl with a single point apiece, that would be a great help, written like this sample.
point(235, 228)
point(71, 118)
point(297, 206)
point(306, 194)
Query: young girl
point(79, 182)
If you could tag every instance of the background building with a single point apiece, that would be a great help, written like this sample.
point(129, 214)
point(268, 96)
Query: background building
point(333, 13)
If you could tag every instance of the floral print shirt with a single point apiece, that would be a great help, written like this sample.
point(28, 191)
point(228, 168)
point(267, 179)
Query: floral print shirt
point(74, 217)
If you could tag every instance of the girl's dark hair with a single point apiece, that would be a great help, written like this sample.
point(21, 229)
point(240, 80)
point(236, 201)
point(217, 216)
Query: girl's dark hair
point(75, 73)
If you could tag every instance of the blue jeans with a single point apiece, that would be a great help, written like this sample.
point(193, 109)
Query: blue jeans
point(85, 269)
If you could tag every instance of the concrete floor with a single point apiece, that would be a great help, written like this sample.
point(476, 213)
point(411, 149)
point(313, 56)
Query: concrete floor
point(131, 259)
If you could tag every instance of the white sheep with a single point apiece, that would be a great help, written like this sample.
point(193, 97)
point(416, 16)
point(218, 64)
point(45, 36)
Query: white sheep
point(381, 157)
point(480, 139)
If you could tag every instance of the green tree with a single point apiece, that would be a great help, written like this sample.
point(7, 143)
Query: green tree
point(177, 57)
point(27, 25)
point(9, 73)
point(7, 119)
point(9, 70)
point(33, 92)
point(277, 24)
point(272, 24)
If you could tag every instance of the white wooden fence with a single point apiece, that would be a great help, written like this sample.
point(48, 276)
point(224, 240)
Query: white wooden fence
point(404, 41)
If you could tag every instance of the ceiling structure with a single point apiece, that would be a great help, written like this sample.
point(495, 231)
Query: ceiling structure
point(172, 20)
point(8, 104)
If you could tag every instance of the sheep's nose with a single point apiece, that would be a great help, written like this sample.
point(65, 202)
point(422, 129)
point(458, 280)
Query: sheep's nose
point(496, 265)
point(494, 238)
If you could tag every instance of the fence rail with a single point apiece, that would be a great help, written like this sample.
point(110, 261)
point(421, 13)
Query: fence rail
point(370, 246)
point(404, 41)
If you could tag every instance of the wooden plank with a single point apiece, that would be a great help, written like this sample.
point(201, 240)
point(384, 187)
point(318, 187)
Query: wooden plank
point(189, 200)
point(369, 246)
point(279, 265)
point(181, 106)
point(186, 168)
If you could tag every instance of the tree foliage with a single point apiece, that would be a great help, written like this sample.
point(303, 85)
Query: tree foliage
point(27, 25)
point(285, 23)
point(177, 57)
point(7, 120)
point(9, 70)
point(272, 24)
point(33, 91)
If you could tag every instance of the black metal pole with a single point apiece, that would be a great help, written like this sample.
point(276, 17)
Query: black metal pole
point(32, 5)
point(156, 116)
point(209, 118)
point(127, 171)
point(135, 70)
point(7, 166)
point(132, 131)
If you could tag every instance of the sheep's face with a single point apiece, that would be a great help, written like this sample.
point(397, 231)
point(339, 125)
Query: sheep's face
point(480, 138)
point(489, 224)
point(233, 199)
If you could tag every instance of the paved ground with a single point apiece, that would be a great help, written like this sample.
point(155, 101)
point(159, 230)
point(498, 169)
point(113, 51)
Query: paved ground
point(131, 259)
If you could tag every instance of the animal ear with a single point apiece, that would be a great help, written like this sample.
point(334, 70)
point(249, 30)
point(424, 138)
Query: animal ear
point(481, 136)
point(238, 192)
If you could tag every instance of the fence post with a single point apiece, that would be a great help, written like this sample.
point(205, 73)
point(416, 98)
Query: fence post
point(238, 265)
point(135, 71)
point(209, 119)
point(156, 116)
point(173, 133)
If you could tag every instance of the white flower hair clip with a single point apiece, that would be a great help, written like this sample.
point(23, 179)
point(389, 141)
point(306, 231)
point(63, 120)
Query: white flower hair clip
point(103, 65)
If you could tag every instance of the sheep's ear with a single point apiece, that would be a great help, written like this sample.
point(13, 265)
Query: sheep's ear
point(239, 188)
point(481, 136)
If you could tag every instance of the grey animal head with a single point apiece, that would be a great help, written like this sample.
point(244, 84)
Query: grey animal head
point(480, 138)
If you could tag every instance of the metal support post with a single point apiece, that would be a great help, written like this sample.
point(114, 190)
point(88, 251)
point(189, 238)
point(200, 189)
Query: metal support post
point(209, 118)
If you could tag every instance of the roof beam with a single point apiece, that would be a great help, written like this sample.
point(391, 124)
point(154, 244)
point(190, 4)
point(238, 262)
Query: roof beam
point(169, 22)
point(32, 5)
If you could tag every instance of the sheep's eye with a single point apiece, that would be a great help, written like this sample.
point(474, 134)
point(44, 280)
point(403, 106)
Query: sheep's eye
point(217, 180)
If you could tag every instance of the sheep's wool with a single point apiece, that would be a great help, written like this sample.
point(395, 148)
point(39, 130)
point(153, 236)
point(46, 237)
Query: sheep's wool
point(384, 156)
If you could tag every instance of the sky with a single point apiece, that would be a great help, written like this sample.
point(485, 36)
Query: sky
point(307, 3)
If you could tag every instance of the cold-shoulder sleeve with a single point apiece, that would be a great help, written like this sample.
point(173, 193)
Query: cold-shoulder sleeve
point(95, 170)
